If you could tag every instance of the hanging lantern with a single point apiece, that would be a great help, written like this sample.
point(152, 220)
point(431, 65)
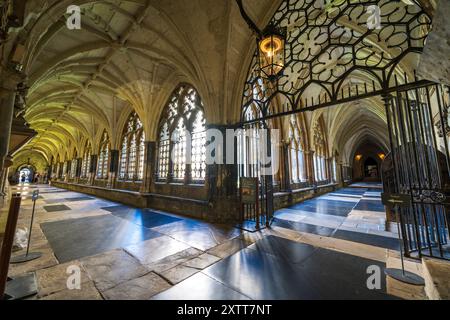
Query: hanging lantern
point(271, 47)
point(271, 51)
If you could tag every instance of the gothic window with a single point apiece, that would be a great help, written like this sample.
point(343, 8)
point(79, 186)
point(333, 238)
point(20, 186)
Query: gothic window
point(296, 154)
point(86, 164)
point(103, 157)
point(132, 150)
point(182, 134)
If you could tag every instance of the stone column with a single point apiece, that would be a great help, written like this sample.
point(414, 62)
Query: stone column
point(149, 166)
point(78, 171)
point(221, 181)
point(49, 174)
point(286, 168)
point(329, 170)
point(67, 173)
point(170, 166)
point(9, 79)
point(61, 171)
point(340, 175)
point(4, 175)
point(92, 169)
point(113, 169)
point(309, 155)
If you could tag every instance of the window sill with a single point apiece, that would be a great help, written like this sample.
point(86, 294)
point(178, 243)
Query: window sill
point(180, 184)
point(130, 181)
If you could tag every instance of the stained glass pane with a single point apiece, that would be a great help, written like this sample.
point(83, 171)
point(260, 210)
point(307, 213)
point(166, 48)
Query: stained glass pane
point(178, 116)
point(131, 165)
point(199, 148)
point(301, 166)
point(88, 164)
point(105, 162)
point(132, 158)
point(141, 158)
point(100, 165)
point(163, 156)
point(123, 159)
point(179, 151)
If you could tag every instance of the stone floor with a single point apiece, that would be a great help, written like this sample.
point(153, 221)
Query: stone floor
point(320, 249)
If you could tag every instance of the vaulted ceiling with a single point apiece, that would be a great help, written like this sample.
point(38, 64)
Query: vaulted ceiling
point(131, 54)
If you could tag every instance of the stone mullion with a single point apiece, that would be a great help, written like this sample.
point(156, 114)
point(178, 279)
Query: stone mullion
point(93, 169)
point(149, 166)
point(78, 171)
point(287, 168)
point(67, 173)
point(9, 81)
point(113, 168)
point(170, 174)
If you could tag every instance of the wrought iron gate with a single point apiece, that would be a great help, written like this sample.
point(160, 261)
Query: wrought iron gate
point(251, 167)
point(419, 159)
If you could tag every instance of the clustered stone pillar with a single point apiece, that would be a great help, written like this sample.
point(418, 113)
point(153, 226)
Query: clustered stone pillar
point(149, 166)
point(340, 175)
point(92, 168)
point(309, 155)
point(222, 185)
point(286, 168)
point(4, 176)
point(328, 162)
point(113, 169)
point(78, 171)
point(9, 79)
point(49, 173)
point(60, 173)
point(67, 172)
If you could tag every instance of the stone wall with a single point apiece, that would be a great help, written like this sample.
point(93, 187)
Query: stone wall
point(196, 208)
point(131, 198)
point(287, 199)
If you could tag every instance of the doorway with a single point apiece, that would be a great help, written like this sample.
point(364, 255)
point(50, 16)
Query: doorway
point(371, 171)
point(25, 175)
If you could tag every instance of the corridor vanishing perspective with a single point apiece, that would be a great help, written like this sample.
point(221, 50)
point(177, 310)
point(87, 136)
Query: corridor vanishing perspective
point(224, 150)
point(129, 253)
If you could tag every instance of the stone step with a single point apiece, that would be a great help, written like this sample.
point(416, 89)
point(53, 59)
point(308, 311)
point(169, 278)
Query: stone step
point(437, 278)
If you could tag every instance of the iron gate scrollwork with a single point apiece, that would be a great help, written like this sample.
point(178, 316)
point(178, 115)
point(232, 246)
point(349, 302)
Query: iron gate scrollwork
point(419, 160)
point(331, 49)
point(327, 47)
point(251, 166)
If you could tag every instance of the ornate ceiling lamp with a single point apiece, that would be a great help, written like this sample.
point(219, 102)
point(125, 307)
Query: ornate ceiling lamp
point(271, 47)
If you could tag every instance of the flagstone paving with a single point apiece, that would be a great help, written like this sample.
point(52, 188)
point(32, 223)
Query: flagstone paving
point(126, 253)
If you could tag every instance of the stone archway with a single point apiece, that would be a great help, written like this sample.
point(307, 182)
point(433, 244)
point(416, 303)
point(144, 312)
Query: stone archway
point(25, 174)
point(371, 169)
